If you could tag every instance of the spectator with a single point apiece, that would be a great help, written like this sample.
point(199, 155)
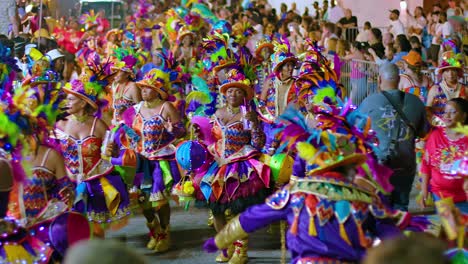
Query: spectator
point(388, 39)
point(444, 147)
point(316, 12)
point(324, 12)
point(434, 27)
point(342, 48)
point(445, 30)
point(8, 16)
point(417, 23)
point(328, 31)
point(416, 45)
point(331, 46)
point(294, 8)
point(363, 35)
point(358, 75)
point(396, 26)
point(396, 133)
point(349, 23)
point(335, 13)
point(452, 7)
point(402, 47)
point(375, 41)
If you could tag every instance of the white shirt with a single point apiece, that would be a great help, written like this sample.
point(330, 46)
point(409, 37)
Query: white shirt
point(335, 14)
point(397, 28)
point(363, 36)
point(447, 29)
point(437, 31)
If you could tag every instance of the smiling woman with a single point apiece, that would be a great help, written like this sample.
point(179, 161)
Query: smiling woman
point(445, 146)
point(235, 179)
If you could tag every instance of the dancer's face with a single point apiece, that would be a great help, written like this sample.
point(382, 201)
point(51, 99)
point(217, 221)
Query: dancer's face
point(450, 75)
point(235, 96)
point(149, 94)
point(286, 70)
point(74, 104)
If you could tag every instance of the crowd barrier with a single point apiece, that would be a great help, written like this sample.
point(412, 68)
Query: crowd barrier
point(360, 78)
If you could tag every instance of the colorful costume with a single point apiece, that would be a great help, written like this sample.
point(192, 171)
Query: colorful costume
point(441, 154)
point(100, 194)
point(331, 219)
point(155, 145)
point(444, 93)
point(41, 187)
point(276, 99)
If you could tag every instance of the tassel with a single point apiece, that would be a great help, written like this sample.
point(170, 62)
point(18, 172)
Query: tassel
point(295, 224)
point(312, 229)
point(363, 240)
point(343, 234)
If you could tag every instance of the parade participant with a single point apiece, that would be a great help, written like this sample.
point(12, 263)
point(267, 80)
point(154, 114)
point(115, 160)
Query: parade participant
point(186, 50)
point(113, 39)
point(451, 69)
point(331, 219)
point(72, 37)
point(413, 81)
point(277, 91)
point(100, 194)
point(263, 52)
point(48, 178)
point(157, 125)
point(16, 244)
point(445, 146)
point(124, 89)
point(236, 179)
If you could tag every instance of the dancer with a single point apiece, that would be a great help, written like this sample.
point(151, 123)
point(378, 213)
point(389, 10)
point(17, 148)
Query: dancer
point(124, 89)
point(48, 178)
point(157, 125)
point(331, 219)
point(277, 92)
point(16, 244)
point(451, 68)
point(100, 194)
point(236, 179)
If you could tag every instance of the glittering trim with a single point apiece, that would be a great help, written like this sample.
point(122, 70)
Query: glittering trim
point(107, 217)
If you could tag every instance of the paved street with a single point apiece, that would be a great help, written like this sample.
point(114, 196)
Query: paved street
point(188, 232)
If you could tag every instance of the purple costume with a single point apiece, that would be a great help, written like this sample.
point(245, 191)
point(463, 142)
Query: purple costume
point(331, 219)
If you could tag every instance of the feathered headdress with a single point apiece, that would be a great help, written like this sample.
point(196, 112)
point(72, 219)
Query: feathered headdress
point(126, 59)
point(281, 56)
point(317, 82)
point(16, 122)
point(341, 135)
point(89, 19)
point(91, 85)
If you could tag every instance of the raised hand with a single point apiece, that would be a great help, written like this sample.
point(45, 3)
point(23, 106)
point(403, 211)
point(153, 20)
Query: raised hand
point(168, 125)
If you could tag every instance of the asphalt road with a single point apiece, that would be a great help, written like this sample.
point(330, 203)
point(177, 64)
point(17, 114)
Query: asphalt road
point(189, 230)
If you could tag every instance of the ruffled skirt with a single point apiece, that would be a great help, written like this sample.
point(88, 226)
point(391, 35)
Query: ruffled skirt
point(157, 179)
point(234, 186)
point(104, 200)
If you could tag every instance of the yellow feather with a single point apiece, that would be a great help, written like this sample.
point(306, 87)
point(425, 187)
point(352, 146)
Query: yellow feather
point(462, 129)
point(306, 151)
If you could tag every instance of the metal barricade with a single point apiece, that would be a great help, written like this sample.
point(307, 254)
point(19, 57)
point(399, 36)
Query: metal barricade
point(360, 79)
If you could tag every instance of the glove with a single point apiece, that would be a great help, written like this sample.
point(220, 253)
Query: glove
point(210, 246)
